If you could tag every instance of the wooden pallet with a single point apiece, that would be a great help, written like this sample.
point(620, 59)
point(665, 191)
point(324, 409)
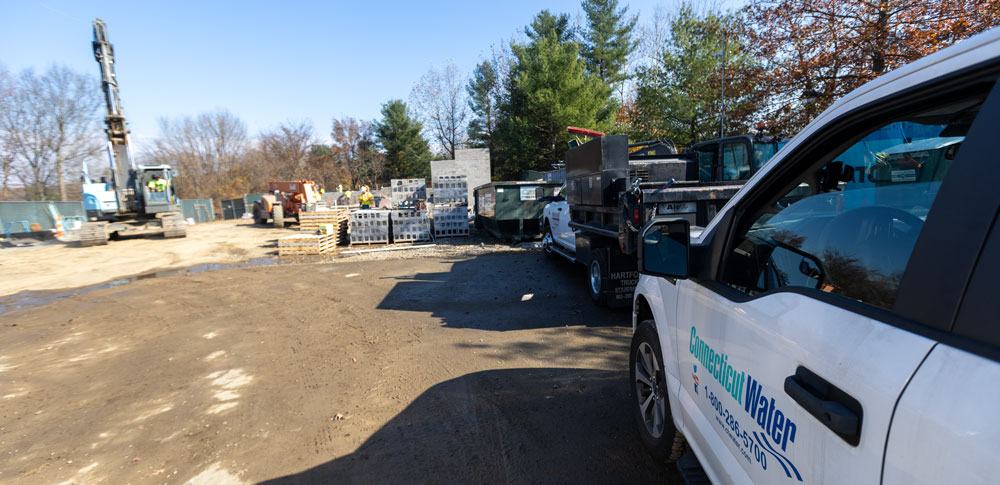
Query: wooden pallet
point(308, 244)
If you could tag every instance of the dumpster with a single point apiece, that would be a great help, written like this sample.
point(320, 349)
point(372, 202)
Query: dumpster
point(513, 210)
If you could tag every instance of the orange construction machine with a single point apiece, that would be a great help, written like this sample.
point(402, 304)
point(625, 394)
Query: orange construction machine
point(284, 201)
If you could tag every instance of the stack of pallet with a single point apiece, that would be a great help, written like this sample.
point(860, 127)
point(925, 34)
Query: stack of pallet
point(313, 222)
point(306, 244)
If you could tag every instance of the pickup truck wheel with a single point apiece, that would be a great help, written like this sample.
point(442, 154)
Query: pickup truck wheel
point(650, 402)
point(547, 241)
point(596, 270)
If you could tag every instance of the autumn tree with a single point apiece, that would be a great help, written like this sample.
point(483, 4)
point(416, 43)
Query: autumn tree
point(439, 98)
point(608, 40)
point(354, 150)
point(679, 95)
point(816, 51)
point(400, 135)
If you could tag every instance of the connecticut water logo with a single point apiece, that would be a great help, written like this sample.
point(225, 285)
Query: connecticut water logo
point(777, 429)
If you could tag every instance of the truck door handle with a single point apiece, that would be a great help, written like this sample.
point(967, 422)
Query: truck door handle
point(559, 209)
point(831, 406)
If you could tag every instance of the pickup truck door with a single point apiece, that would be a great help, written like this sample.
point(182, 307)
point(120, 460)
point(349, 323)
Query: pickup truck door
point(561, 231)
point(794, 354)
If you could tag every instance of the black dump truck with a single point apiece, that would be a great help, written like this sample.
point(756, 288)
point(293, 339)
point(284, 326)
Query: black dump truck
point(613, 188)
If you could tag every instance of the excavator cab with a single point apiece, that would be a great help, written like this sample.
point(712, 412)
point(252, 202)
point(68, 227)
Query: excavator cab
point(156, 183)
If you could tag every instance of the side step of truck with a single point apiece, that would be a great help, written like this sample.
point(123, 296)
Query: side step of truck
point(562, 252)
point(691, 471)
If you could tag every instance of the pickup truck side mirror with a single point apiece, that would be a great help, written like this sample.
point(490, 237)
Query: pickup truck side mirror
point(665, 248)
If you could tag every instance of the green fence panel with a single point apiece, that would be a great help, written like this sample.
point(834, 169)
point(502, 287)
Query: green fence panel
point(12, 213)
point(201, 210)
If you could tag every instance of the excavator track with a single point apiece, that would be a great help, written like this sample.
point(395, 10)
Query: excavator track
point(93, 234)
point(174, 227)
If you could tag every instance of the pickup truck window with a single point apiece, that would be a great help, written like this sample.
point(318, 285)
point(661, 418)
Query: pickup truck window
point(849, 227)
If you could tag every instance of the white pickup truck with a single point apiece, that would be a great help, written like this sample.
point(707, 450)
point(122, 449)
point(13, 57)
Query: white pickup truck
point(838, 322)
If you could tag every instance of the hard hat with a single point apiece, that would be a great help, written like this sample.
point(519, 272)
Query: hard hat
point(364, 188)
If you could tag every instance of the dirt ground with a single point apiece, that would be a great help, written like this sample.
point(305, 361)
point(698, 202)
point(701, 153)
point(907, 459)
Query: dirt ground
point(64, 265)
point(471, 368)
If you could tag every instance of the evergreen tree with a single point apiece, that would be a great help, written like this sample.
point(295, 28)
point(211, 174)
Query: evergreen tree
point(608, 41)
point(550, 90)
point(678, 97)
point(545, 23)
point(399, 134)
point(482, 90)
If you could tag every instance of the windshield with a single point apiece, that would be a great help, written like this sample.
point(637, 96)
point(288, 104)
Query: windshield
point(762, 152)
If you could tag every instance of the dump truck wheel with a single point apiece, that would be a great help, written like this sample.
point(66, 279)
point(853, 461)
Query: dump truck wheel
point(596, 282)
point(279, 216)
point(548, 241)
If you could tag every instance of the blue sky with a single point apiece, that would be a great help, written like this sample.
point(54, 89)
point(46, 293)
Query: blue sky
point(267, 62)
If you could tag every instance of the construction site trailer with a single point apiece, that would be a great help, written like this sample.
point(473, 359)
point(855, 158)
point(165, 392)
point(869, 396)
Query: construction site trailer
point(513, 210)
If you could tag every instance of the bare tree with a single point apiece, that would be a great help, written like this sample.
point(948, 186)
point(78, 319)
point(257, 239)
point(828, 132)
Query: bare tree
point(50, 126)
point(354, 148)
point(285, 149)
point(6, 143)
point(440, 101)
point(204, 149)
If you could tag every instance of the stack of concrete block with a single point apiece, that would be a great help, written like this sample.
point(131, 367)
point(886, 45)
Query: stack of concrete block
point(451, 189)
point(406, 192)
point(451, 221)
point(369, 227)
point(410, 226)
point(472, 163)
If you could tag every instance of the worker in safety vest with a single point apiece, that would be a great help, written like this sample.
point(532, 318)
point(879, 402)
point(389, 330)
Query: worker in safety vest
point(366, 198)
point(157, 184)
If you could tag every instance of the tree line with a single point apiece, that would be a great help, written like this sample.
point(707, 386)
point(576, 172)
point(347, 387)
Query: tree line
point(780, 62)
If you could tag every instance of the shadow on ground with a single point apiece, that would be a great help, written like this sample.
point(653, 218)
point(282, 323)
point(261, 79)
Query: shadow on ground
point(503, 292)
point(508, 426)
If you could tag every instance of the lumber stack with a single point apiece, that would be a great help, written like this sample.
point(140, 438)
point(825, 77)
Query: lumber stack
point(307, 244)
point(312, 222)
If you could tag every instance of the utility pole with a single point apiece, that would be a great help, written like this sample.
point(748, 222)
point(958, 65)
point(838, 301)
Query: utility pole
point(722, 110)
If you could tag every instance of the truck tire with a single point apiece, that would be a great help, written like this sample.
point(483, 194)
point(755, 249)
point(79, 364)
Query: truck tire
point(597, 283)
point(650, 401)
point(279, 216)
point(548, 241)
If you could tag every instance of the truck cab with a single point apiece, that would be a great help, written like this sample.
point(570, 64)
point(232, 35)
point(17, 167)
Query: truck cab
point(836, 321)
point(556, 233)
